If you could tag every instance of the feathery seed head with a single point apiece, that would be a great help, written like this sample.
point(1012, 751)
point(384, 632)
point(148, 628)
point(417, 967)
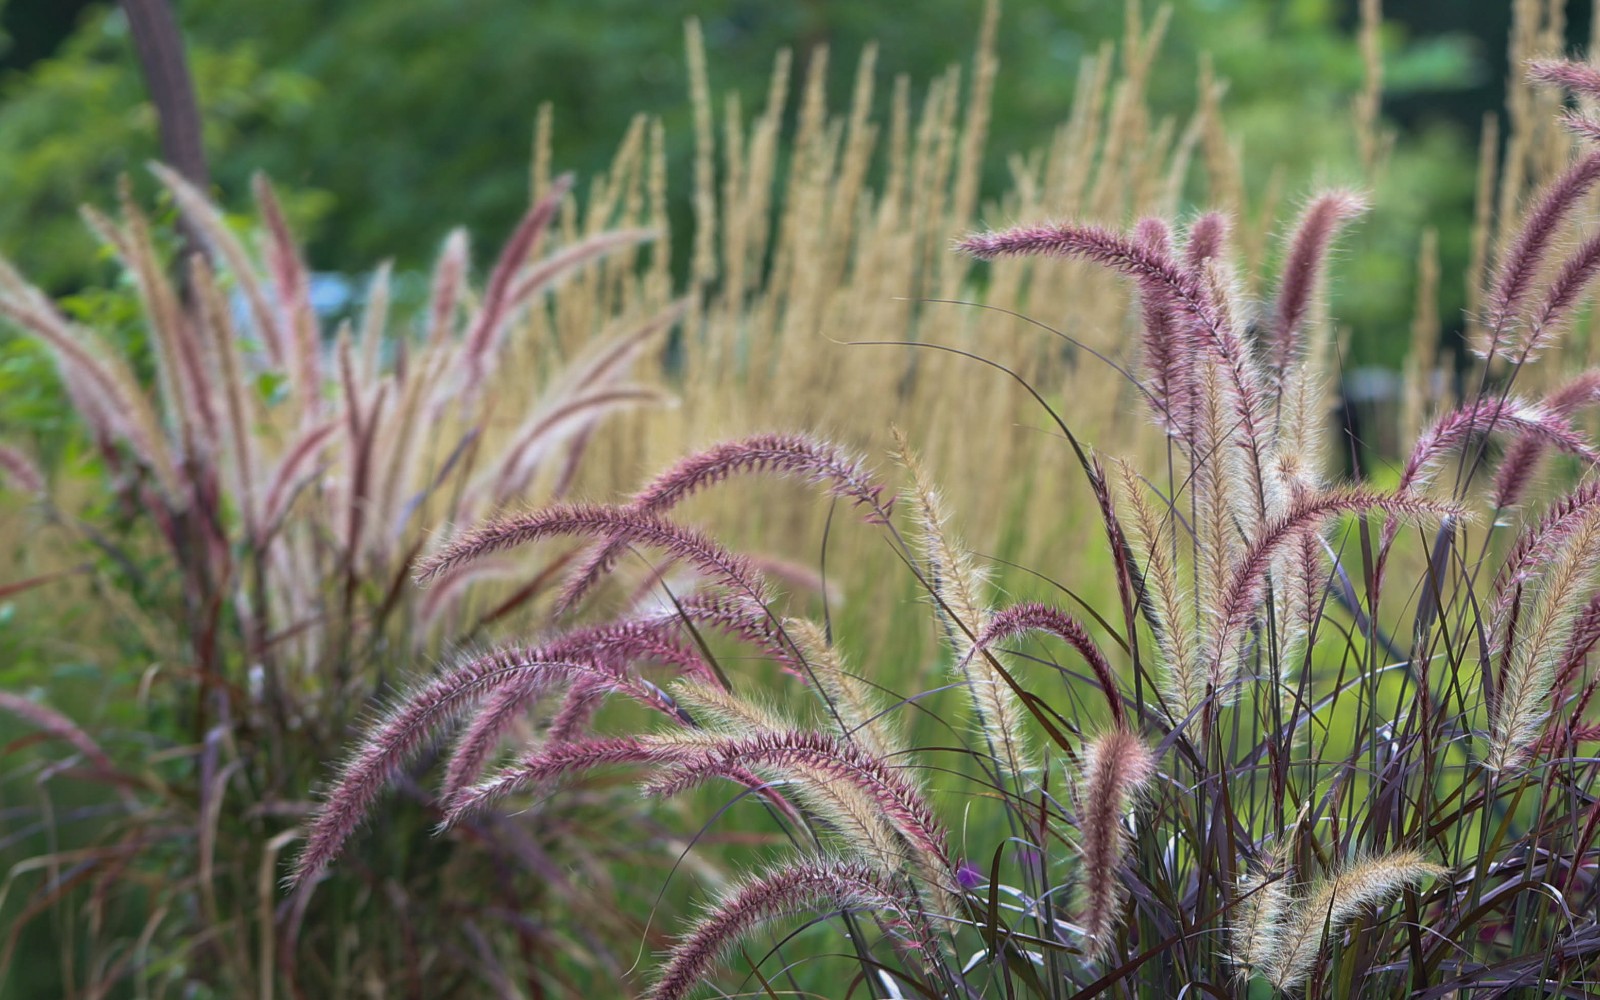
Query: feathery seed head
point(1331, 903)
point(803, 886)
point(1116, 767)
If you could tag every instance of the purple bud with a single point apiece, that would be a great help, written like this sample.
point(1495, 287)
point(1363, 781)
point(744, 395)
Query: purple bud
point(968, 876)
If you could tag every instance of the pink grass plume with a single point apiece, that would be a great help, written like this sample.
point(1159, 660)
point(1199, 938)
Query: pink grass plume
point(791, 455)
point(599, 522)
point(1307, 259)
point(802, 887)
point(1526, 255)
point(1116, 768)
point(1022, 619)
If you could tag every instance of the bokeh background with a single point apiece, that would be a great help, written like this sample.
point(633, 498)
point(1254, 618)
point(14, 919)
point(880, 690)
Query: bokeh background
point(386, 124)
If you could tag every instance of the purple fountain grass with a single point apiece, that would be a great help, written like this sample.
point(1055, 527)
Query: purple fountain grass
point(497, 299)
point(1116, 767)
point(414, 720)
point(795, 455)
point(605, 522)
point(448, 283)
point(1240, 602)
point(737, 617)
point(1103, 246)
point(295, 467)
point(57, 726)
point(544, 273)
point(1516, 470)
point(1530, 554)
point(285, 522)
point(1264, 902)
point(374, 327)
point(1334, 901)
point(855, 707)
point(208, 222)
point(1527, 254)
point(447, 589)
point(1238, 579)
point(1168, 367)
point(562, 420)
point(1581, 125)
point(1022, 619)
point(847, 811)
point(1467, 423)
point(1308, 250)
point(587, 391)
point(552, 761)
point(796, 576)
point(1166, 604)
point(1521, 704)
point(1155, 234)
point(801, 887)
point(1577, 77)
point(1208, 239)
point(958, 590)
point(719, 712)
point(180, 369)
point(831, 759)
point(1575, 732)
point(1585, 636)
point(1549, 318)
point(955, 584)
point(292, 282)
point(237, 408)
point(1460, 426)
point(362, 418)
point(619, 645)
point(615, 356)
point(20, 471)
point(791, 455)
point(1575, 728)
point(583, 699)
point(95, 376)
point(514, 283)
point(559, 760)
point(1194, 295)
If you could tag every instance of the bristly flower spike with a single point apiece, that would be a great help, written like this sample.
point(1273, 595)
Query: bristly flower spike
point(1168, 367)
point(1308, 251)
point(791, 455)
point(601, 522)
point(1116, 768)
point(1577, 77)
point(1527, 253)
point(1331, 904)
point(408, 727)
point(1208, 240)
point(1031, 616)
point(802, 887)
point(1517, 466)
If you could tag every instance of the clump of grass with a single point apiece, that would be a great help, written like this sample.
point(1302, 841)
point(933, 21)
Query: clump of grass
point(281, 485)
point(1292, 763)
point(1248, 668)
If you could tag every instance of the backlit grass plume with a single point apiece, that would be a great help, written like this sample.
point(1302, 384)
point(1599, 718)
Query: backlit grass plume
point(828, 886)
point(1285, 955)
point(1116, 767)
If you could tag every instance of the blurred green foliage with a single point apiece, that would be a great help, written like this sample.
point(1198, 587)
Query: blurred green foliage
point(395, 121)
